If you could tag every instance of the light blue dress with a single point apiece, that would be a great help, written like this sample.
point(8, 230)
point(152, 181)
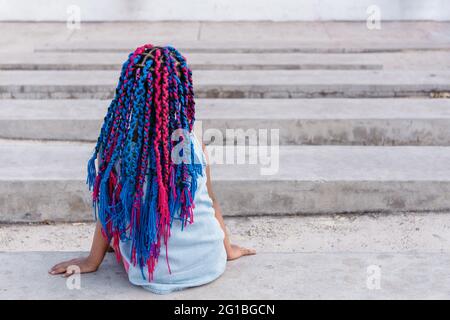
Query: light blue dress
point(196, 253)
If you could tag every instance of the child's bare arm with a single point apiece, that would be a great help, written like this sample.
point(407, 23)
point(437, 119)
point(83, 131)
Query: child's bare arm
point(89, 263)
point(233, 251)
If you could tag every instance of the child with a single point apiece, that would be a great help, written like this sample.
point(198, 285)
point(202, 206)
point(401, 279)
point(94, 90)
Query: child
point(152, 193)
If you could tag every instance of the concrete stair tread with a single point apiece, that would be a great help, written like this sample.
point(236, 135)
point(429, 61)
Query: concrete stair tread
point(300, 121)
point(237, 78)
point(411, 60)
point(236, 84)
point(23, 160)
point(90, 60)
point(340, 275)
point(325, 45)
point(319, 109)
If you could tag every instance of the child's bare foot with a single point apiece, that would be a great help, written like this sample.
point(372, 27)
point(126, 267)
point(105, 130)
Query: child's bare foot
point(235, 252)
point(86, 265)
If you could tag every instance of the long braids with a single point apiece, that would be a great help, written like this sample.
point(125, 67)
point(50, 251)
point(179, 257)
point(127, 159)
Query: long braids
point(139, 190)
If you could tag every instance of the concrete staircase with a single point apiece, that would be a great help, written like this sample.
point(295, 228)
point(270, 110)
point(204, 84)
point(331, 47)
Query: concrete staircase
point(359, 132)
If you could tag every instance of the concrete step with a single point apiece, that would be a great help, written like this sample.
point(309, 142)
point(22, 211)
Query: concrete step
point(274, 275)
point(260, 45)
point(328, 256)
point(46, 181)
point(300, 121)
point(197, 61)
point(425, 232)
point(410, 60)
point(236, 84)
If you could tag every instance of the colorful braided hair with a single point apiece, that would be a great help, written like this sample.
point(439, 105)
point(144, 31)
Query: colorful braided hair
point(139, 190)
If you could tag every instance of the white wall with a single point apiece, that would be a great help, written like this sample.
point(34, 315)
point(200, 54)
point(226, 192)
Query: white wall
point(222, 10)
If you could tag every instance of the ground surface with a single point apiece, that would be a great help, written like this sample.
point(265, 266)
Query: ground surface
point(419, 232)
point(311, 257)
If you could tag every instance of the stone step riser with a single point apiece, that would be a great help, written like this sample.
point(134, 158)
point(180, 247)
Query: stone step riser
point(235, 92)
point(211, 61)
point(69, 201)
point(418, 132)
point(236, 84)
point(238, 61)
point(299, 121)
point(211, 66)
point(255, 50)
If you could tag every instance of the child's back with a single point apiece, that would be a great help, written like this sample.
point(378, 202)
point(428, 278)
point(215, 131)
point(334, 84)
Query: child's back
point(196, 251)
point(152, 190)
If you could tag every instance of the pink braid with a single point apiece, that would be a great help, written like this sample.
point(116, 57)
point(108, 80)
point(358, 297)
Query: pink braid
point(162, 188)
point(165, 123)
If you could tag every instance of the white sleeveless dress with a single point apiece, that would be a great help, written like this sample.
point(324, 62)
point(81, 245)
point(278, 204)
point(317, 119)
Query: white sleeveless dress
point(196, 253)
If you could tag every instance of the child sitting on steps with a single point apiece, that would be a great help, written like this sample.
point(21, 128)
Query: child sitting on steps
point(152, 192)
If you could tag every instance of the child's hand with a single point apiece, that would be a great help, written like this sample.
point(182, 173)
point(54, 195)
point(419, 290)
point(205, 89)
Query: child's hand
point(86, 265)
point(234, 252)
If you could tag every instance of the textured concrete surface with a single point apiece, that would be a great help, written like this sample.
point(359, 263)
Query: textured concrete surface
point(426, 232)
point(236, 84)
point(46, 181)
point(49, 161)
point(302, 257)
point(246, 109)
point(238, 78)
point(331, 45)
point(300, 121)
point(200, 61)
point(246, 36)
point(414, 60)
point(264, 276)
